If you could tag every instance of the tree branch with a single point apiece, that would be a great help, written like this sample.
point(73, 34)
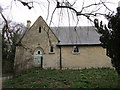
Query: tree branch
point(84, 14)
point(4, 18)
point(26, 4)
point(58, 6)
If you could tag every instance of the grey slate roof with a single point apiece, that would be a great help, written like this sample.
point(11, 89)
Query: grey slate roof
point(81, 36)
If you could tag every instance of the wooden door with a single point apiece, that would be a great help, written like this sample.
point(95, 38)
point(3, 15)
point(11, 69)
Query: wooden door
point(38, 56)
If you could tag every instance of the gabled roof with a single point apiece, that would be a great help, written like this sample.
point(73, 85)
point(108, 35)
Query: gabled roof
point(38, 20)
point(81, 36)
point(85, 35)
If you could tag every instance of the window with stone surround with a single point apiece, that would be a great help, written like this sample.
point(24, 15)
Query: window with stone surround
point(51, 50)
point(39, 29)
point(75, 50)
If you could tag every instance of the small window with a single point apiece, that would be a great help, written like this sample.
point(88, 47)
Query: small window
point(38, 52)
point(76, 50)
point(39, 29)
point(51, 49)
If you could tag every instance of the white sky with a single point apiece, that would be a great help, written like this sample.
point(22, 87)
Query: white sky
point(15, 11)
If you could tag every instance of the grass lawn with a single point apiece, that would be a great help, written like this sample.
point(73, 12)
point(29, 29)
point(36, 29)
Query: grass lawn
point(86, 78)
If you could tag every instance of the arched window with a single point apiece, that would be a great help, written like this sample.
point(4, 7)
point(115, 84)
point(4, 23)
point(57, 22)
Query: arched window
point(38, 52)
point(39, 29)
point(76, 50)
point(51, 49)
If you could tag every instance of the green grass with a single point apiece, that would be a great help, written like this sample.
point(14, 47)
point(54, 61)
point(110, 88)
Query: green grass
point(86, 78)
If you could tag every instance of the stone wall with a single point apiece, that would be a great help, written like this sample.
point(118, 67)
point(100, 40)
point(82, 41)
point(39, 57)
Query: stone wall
point(89, 56)
point(35, 40)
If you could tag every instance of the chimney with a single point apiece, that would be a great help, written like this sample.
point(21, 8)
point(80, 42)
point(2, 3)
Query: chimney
point(28, 23)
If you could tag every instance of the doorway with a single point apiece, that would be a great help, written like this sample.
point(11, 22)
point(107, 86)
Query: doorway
point(38, 58)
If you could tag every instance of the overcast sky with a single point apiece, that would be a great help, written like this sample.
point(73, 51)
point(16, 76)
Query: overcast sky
point(15, 11)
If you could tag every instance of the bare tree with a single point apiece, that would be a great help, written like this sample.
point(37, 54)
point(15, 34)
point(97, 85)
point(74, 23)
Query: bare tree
point(11, 33)
point(82, 12)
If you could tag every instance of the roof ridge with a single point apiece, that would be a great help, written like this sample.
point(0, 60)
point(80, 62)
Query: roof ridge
point(71, 26)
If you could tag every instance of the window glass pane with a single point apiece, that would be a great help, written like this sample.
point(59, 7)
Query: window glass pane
point(75, 49)
point(38, 52)
point(39, 29)
point(51, 49)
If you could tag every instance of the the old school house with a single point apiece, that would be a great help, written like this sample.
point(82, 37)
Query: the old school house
point(59, 48)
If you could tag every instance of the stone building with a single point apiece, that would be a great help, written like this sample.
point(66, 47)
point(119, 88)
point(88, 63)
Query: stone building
point(59, 48)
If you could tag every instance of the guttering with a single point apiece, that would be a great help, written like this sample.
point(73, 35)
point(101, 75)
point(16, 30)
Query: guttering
point(79, 44)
